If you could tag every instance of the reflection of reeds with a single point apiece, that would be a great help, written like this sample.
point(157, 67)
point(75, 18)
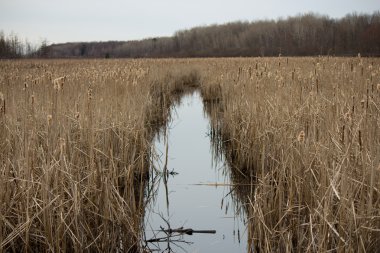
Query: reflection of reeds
point(315, 169)
point(241, 177)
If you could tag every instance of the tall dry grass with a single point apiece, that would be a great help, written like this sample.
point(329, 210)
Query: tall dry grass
point(75, 139)
point(307, 131)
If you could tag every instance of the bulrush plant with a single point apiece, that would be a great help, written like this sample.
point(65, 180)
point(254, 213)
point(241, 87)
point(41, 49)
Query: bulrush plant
point(75, 143)
point(167, 89)
point(307, 129)
point(74, 159)
point(302, 133)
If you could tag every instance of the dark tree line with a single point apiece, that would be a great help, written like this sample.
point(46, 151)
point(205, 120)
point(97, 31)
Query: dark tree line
point(308, 34)
point(12, 46)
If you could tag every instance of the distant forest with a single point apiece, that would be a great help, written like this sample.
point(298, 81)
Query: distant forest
point(302, 35)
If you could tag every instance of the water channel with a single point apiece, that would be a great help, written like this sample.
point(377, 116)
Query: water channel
point(196, 193)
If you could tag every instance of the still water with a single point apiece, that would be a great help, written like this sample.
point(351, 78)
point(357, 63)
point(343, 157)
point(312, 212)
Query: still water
point(196, 193)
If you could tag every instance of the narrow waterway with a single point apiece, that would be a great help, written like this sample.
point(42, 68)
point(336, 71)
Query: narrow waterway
point(196, 193)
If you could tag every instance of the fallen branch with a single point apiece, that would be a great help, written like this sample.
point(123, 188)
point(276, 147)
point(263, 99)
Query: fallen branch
point(170, 233)
point(189, 231)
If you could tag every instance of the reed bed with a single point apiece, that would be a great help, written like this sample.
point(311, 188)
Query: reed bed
point(76, 136)
point(75, 142)
point(306, 131)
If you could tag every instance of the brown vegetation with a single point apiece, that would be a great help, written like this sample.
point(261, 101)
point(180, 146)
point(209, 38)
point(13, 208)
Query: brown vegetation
point(75, 140)
point(305, 130)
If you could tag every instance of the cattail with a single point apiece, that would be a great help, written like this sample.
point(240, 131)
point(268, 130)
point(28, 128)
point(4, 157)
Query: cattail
point(89, 93)
point(347, 116)
point(2, 103)
point(77, 115)
point(49, 119)
point(33, 99)
point(301, 137)
point(362, 102)
point(317, 84)
point(62, 144)
point(58, 82)
point(49, 76)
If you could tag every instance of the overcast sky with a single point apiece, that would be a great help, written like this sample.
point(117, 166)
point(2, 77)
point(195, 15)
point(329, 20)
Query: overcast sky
point(102, 20)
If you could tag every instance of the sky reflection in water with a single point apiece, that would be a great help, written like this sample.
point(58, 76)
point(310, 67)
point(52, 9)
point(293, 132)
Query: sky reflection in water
point(190, 205)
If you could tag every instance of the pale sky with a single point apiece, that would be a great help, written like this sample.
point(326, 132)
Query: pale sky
point(103, 20)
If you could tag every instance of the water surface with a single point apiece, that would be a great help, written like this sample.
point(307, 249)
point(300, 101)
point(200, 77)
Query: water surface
point(197, 192)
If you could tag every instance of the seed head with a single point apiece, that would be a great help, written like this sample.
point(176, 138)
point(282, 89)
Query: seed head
point(2, 103)
point(58, 82)
point(301, 137)
point(49, 119)
point(62, 144)
point(347, 116)
point(89, 93)
point(362, 102)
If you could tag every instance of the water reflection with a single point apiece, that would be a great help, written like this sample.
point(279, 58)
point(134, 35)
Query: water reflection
point(191, 191)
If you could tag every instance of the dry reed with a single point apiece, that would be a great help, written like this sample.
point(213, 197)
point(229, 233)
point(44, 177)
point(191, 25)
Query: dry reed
point(75, 139)
point(307, 128)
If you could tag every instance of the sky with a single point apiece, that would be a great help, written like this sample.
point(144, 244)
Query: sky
point(60, 21)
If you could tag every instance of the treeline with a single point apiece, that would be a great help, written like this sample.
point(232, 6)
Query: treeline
point(12, 46)
point(308, 34)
